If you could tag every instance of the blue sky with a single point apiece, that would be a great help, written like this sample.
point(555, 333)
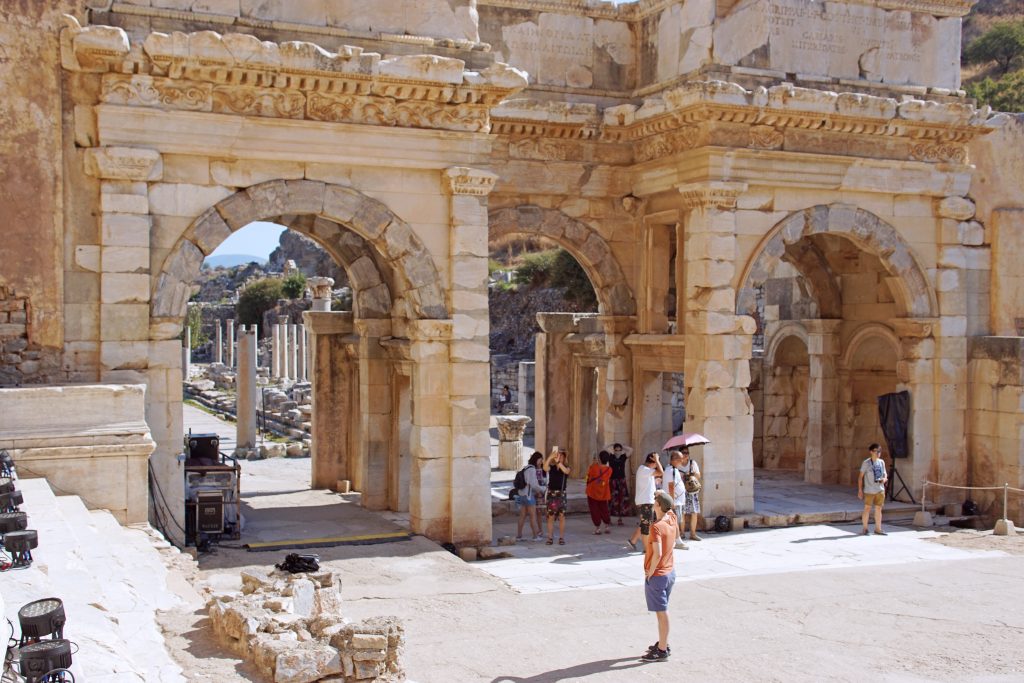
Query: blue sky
point(255, 239)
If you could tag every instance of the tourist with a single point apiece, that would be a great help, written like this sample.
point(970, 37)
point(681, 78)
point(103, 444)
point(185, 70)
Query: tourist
point(871, 487)
point(660, 573)
point(644, 498)
point(505, 397)
point(557, 468)
point(677, 489)
point(619, 458)
point(687, 491)
point(527, 497)
point(599, 493)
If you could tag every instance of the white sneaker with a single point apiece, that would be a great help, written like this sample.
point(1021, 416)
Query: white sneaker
point(539, 537)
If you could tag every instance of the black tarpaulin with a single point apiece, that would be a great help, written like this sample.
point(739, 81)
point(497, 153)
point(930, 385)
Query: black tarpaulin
point(894, 415)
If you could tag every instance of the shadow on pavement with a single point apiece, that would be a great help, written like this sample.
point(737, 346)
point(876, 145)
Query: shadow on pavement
point(578, 671)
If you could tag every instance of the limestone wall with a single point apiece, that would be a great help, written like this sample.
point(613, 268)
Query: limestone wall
point(996, 422)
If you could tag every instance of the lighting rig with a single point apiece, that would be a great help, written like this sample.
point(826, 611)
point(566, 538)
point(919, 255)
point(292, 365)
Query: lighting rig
point(44, 655)
point(15, 536)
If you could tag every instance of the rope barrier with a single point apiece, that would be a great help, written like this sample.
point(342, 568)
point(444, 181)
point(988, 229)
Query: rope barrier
point(1005, 488)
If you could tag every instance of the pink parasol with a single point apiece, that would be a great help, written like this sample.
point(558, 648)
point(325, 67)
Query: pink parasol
point(686, 439)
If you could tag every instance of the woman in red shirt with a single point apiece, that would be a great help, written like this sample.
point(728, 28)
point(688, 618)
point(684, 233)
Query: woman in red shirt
point(599, 492)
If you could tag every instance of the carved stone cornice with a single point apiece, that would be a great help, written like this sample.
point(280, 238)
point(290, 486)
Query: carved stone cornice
point(469, 181)
point(914, 328)
point(239, 74)
point(711, 195)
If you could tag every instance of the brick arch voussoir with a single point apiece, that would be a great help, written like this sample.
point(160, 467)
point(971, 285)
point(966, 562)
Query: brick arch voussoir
point(585, 244)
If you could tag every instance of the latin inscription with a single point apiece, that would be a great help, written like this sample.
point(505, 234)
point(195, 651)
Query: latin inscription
point(836, 31)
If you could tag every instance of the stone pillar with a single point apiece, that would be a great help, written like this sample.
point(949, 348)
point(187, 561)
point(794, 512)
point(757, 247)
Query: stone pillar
point(619, 383)
point(275, 347)
point(321, 287)
point(369, 471)
point(231, 344)
point(552, 419)
point(718, 349)
point(309, 354)
point(527, 388)
point(468, 366)
point(245, 406)
point(218, 344)
point(822, 462)
point(337, 419)
point(937, 409)
point(186, 353)
point(282, 347)
point(300, 353)
point(510, 441)
point(293, 351)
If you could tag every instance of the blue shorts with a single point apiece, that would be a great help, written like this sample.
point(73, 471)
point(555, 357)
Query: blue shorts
point(657, 590)
point(525, 500)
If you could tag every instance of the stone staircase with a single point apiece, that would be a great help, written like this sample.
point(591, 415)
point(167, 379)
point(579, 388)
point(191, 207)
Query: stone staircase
point(112, 581)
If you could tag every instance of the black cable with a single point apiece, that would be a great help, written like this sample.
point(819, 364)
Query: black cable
point(156, 484)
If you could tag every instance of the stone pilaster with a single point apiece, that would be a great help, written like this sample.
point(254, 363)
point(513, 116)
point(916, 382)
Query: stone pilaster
point(553, 359)
point(245, 407)
point(717, 349)
point(337, 421)
point(466, 368)
point(618, 421)
point(822, 461)
point(370, 468)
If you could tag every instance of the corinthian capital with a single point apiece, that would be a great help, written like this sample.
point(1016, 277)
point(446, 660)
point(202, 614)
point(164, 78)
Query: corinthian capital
point(471, 181)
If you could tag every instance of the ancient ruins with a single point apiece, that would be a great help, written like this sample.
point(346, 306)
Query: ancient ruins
point(789, 203)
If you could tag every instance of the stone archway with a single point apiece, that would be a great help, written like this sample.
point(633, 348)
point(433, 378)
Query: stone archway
point(865, 230)
point(785, 399)
point(330, 214)
point(586, 245)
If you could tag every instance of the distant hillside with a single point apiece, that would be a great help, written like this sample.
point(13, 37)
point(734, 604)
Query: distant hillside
point(232, 260)
point(985, 81)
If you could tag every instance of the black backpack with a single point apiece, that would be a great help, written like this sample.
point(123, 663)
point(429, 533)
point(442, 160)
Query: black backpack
point(520, 480)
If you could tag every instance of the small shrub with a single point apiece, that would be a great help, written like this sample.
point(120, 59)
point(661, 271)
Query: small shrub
point(294, 286)
point(256, 299)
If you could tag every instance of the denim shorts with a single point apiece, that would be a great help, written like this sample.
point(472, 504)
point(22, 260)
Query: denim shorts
point(522, 501)
point(657, 590)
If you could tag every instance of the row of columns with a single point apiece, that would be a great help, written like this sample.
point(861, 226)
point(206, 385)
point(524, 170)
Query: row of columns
point(224, 353)
point(289, 351)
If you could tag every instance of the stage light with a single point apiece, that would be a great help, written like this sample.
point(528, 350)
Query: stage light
point(6, 484)
point(19, 544)
point(40, 619)
point(12, 521)
point(6, 464)
point(10, 501)
point(46, 661)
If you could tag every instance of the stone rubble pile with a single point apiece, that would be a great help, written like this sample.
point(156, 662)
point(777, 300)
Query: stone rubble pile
point(290, 626)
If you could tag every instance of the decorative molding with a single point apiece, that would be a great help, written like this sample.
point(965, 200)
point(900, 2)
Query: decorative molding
point(123, 163)
point(469, 181)
point(765, 137)
point(711, 195)
point(939, 152)
point(667, 144)
point(292, 80)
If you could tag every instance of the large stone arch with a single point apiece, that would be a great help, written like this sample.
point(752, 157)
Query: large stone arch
point(586, 245)
point(387, 262)
point(869, 232)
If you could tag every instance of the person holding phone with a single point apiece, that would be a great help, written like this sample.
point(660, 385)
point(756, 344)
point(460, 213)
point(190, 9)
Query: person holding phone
point(557, 468)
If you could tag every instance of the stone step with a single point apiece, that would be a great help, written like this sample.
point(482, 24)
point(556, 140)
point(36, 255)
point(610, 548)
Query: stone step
point(111, 579)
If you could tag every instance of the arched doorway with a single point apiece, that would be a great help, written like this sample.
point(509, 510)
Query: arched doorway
point(784, 445)
point(367, 423)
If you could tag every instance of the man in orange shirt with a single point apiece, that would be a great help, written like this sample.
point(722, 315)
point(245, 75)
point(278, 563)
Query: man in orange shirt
point(659, 571)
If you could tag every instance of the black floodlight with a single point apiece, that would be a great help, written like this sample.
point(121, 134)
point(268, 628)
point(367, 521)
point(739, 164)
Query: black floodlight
point(6, 464)
point(46, 661)
point(42, 619)
point(10, 501)
point(19, 544)
point(6, 484)
point(12, 521)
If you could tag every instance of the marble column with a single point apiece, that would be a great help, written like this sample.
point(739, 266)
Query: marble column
point(293, 343)
point(309, 354)
point(282, 347)
point(275, 353)
point(321, 287)
point(510, 441)
point(245, 397)
point(300, 353)
point(218, 348)
point(231, 344)
point(186, 354)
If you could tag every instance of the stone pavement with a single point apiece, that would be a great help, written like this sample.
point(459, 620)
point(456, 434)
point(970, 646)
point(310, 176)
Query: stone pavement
point(591, 562)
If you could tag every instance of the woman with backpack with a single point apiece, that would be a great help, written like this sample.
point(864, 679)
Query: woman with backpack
point(599, 493)
point(530, 485)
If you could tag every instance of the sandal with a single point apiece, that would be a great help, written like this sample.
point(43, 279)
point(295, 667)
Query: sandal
point(597, 532)
point(550, 541)
point(561, 541)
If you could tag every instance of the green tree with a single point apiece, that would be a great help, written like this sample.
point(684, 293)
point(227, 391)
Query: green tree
point(294, 285)
point(1006, 94)
point(1002, 44)
point(568, 275)
point(194, 321)
point(256, 299)
point(535, 270)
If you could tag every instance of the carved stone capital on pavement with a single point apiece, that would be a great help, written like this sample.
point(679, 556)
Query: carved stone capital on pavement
point(469, 181)
point(711, 195)
point(512, 427)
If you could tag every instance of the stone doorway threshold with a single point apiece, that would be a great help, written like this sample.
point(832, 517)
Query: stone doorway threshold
point(783, 498)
